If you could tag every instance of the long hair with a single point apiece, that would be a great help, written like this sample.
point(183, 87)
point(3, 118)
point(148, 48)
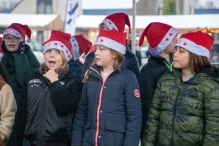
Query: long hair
point(117, 63)
point(4, 73)
point(119, 59)
point(64, 61)
point(198, 63)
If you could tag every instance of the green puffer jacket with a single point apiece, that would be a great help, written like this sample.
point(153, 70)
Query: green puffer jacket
point(20, 68)
point(184, 113)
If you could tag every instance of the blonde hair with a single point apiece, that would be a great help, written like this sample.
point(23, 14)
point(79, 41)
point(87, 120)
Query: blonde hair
point(64, 61)
point(117, 63)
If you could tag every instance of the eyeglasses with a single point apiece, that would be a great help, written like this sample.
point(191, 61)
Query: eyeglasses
point(14, 39)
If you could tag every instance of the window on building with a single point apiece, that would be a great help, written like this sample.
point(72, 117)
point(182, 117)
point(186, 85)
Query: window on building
point(44, 6)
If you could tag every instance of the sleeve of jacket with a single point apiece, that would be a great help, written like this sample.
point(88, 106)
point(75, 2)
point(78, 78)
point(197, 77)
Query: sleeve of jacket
point(133, 111)
point(211, 115)
point(150, 133)
point(8, 109)
point(147, 87)
point(65, 98)
point(80, 119)
point(17, 134)
point(25, 65)
point(133, 62)
point(88, 61)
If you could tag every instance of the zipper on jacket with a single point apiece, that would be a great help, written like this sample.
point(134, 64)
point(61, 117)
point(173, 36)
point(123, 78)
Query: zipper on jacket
point(98, 115)
point(98, 107)
point(175, 110)
point(43, 112)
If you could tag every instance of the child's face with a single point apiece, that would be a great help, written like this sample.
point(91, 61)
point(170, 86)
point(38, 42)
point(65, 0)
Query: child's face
point(53, 59)
point(11, 42)
point(170, 47)
point(181, 58)
point(104, 26)
point(103, 56)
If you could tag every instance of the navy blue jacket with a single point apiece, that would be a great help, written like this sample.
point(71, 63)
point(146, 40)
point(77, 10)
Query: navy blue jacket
point(147, 79)
point(108, 113)
point(76, 67)
point(130, 62)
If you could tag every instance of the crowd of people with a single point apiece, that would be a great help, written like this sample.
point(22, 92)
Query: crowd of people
point(107, 100)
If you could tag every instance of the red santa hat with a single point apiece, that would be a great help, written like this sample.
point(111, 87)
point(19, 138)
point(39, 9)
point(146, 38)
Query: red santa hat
point(198, 43)
point(117, 21)
point(1, 52)
point(112, 39)
point(159, 35)
point(19, 30)
point(59, 40)
point(79, 45)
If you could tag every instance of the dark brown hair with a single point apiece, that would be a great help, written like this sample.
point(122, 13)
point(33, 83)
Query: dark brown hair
point(198, 63)
point(4, 73)
point(118, 61)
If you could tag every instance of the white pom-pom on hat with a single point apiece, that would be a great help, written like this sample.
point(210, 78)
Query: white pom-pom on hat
point(130, 35)
point(29, 40)
point(137, 48)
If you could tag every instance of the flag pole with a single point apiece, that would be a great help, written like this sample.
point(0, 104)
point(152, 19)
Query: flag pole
point(66, 8)
point(133, 26)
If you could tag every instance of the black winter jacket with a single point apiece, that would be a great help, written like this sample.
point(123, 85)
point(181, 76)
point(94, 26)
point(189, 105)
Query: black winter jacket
point(46, 112)
point(130, 62)
point(147, 79)
point(109, 112)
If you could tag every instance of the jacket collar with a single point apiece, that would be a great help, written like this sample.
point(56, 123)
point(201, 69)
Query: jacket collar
point(199, 77)
point(95, 71)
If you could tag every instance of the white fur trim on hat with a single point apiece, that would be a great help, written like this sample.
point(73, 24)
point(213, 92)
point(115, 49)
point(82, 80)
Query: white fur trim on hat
point(138, 48)
point(114, 45)
point(130, 35)
point(75, 48)
point(29, 40)
point(166, 39)
point(58, 45)
point(192, 47)
point(13, 32)
point(109, 24)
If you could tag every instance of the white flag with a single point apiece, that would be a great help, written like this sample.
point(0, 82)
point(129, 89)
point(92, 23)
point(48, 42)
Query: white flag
point(71, 16)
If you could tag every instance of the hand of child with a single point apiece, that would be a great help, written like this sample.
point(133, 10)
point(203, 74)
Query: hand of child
point(51, 75)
